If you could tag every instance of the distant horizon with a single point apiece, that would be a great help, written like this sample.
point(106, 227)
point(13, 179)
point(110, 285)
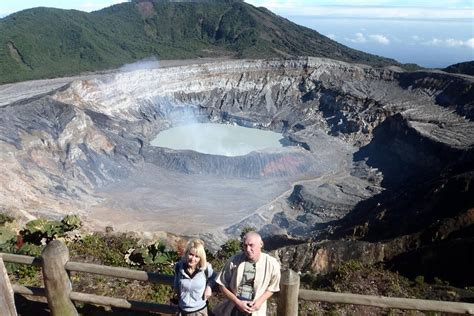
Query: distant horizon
point(433, 35)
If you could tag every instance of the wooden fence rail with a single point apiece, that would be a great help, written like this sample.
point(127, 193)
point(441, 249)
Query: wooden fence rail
point(387, 302)
point(55, 264)
point(95, 269)
point(100, 300)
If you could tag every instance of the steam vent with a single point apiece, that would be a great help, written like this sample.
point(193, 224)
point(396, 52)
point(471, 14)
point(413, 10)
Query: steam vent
point(352, 134)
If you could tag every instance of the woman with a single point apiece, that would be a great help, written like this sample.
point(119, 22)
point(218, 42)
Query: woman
point(193, 280)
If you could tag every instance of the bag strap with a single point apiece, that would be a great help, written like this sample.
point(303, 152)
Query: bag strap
point(206, 273)
point(177, 273)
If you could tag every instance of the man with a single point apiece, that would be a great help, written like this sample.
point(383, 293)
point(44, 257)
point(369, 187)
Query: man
point(248, 279)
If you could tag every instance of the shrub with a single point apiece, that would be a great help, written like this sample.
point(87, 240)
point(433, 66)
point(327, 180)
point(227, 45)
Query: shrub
point(101, 249)
point(420, 280)
point(5, 219)
point(41, 231)
point(31, 241)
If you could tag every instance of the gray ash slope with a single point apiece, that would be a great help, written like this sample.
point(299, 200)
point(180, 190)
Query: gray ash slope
point(383, 157)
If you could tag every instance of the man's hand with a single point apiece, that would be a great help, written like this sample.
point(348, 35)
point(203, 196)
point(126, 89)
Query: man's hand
point(256, 304)
point(245, 306)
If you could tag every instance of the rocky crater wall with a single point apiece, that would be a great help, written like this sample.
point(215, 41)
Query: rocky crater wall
point(359, 131)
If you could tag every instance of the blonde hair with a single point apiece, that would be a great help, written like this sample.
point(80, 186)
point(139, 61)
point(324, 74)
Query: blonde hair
point(197, 247)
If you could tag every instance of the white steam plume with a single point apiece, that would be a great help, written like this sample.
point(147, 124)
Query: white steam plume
point(147, 63)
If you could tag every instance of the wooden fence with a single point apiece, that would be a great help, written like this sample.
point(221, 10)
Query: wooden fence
point(55, 265)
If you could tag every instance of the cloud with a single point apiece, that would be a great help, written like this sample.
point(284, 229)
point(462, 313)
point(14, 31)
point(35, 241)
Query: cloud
point(450, 42)
point(454, 42)
point(380, 39)
point(375, 38)
point(366, 9)
point(89, 6)
point(359, 38)
point(332, 36)
point(470, 43)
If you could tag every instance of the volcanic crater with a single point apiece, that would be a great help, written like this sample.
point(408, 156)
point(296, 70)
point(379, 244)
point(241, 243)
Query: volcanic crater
point(352, 132)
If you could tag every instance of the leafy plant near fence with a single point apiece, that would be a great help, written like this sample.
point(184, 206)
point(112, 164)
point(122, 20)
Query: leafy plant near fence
point(155, 256)
point(6, 233)
point(42, 231)
point(36, 233)
point(31, 241)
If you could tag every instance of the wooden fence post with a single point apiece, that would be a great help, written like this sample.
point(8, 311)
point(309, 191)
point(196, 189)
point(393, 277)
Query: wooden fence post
point(7, 301)
point(56, 279)
point(288, 296)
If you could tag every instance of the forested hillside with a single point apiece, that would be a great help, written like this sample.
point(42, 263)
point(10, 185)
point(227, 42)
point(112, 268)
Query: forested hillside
point(47, 42)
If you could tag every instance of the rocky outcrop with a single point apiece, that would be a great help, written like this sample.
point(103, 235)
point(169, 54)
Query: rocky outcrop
point(427, 230)
point(395, 151)
point(453, 92)
point(288, 162)
point(323, 257)
point(329, 201)
point(447, 260)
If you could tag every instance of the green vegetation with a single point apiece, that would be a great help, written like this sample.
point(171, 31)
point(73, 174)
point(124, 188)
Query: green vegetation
point(155, 256)
point(5, 219)
point(102, 249)
point(45, 43)
point(31, 241)
point(122, 250)
point(42, 231)
point(355, 277)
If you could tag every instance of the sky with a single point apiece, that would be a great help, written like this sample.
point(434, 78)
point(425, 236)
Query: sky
point(431, 33)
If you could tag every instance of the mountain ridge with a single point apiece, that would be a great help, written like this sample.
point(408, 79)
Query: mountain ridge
point(46, 42)
point(466, 68)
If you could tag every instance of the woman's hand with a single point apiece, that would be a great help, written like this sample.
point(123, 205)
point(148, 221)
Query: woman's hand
point(207, 292)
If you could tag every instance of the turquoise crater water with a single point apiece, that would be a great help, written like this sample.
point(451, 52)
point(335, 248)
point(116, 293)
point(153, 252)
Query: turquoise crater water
point(217, 139)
